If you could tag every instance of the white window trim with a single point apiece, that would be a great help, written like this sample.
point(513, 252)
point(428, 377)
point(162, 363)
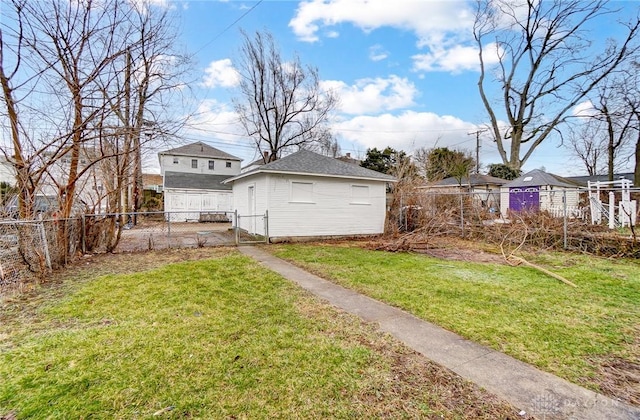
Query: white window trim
point(291, 200)
point(354, 201)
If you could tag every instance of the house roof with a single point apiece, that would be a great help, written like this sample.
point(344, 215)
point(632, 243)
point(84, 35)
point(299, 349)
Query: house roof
point(582, 180)
point(199, 149)
point(195, 181)
point(538, 177)
point(305, 162)
point(473, 180)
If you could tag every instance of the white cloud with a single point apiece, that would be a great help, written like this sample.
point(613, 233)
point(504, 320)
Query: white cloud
point(584, 109)
point(221, 73)
point(370, 96)
point(443, 28)
point(425, 18)
point(407, 131)
point(377, 53)
point(455, 59)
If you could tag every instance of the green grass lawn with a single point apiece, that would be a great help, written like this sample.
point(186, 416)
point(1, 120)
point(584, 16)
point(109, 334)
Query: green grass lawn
point(214, 338)
point(571, 332)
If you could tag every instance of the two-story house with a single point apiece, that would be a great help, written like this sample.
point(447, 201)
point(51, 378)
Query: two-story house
point(192, 181)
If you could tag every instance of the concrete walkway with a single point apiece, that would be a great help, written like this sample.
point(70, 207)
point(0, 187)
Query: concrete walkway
point(537, 393)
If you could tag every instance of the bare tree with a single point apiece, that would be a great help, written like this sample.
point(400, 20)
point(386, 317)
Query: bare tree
point(545, 66)
point(281, 104)
point(587, 143)
point(87, 83)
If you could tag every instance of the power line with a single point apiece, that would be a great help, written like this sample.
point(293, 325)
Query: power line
point(229, 26)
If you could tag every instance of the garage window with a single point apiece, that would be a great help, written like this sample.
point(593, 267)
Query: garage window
point(360, 194)
point(194, 163)
point(228, 164)
point(301, 192)
point(175, 161)
point(211, 164)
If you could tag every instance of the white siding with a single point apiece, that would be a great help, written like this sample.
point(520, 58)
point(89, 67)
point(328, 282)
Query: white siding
point(332, 209)
point(250, 216)
point(188, 204)
point(184, 165)
point(7, 173)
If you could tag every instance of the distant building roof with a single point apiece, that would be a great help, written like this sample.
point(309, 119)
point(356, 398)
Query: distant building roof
point(347, 158)
point(582, 180)
point(309, 163)
point(538, 177)
point(195, 181)
point(474, 180)
point(199, 149)
point(151, 179)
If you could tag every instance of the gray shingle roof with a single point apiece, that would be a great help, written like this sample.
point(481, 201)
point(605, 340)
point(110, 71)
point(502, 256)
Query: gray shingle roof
point(199, 149)
point(538, 178)
point(582, 180)
point(195, 181)
point(310, 163)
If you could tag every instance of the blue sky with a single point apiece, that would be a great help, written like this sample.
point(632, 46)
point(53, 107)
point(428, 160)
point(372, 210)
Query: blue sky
point(405, 70)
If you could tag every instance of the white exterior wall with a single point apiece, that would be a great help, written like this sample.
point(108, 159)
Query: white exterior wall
point(187, 205)
point(184, 165)
point(6, 172)
point(552, 197)
point(332, 209)
point(504, 201)
point(251, 222)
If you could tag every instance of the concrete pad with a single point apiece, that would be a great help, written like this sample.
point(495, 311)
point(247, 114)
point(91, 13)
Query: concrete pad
point(536, 392)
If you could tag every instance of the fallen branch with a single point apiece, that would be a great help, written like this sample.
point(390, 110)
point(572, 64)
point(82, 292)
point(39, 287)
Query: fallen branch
point(520, 260)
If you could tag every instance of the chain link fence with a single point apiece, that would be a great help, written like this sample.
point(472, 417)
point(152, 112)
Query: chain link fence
point(31, 249)
point(559, 219)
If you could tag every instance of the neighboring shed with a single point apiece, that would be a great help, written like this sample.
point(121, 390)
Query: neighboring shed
point(310, 195)
point(192, 181)
point(538, 190)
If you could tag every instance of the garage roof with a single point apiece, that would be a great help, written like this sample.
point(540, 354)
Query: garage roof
point(305, 162)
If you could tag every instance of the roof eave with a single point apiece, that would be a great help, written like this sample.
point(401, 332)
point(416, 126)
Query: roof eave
point(259, 171)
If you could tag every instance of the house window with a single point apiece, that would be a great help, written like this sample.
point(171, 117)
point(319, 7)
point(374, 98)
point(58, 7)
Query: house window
point(211, 165)
point(301, 192)
point(194, 163)
point(175, 161)
point(228, 164)
point(360, 194)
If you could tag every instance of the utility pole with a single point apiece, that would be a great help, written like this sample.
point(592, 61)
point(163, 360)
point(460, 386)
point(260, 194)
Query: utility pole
point(478, 145)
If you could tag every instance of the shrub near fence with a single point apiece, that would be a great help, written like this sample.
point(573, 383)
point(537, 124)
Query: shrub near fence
point(419, 216)
point(29, 250)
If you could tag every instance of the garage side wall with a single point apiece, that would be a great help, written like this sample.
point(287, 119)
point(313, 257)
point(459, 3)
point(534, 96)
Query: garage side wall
point(304, 206)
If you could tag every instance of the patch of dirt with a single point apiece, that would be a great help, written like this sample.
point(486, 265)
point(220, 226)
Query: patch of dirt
point(442, 247)
point(620, 379)
point(411, 384)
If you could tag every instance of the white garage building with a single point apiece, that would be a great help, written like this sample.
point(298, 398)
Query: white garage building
point(308, 195)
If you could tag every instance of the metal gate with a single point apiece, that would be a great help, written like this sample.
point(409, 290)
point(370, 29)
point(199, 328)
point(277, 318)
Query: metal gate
point(252, 228)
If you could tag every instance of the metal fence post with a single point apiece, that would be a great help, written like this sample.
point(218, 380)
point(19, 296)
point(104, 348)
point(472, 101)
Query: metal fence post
point(237, 230)
point(266, 226)
point(564, 210)
point(168, 217)
point(84, 235)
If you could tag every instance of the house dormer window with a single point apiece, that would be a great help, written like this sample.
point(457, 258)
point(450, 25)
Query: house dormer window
point(194, 163)
point(211, 165)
